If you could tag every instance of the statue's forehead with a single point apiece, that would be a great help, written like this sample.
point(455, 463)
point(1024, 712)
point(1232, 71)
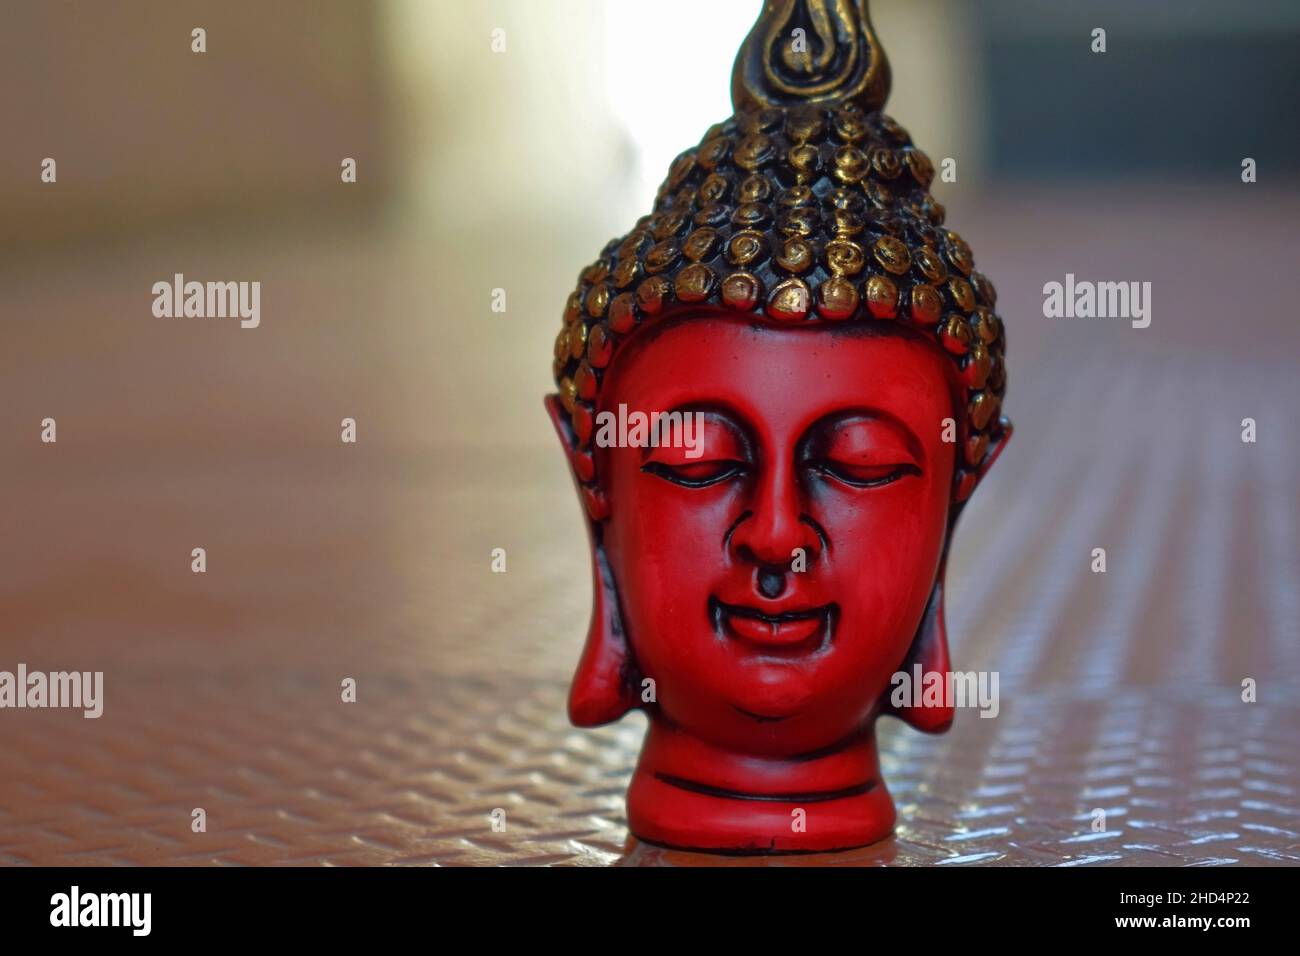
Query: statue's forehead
point(780, 373)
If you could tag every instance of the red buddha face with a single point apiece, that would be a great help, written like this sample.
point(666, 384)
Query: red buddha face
point(822, 450)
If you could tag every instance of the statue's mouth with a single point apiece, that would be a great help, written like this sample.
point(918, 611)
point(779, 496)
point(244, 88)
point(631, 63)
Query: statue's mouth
point(788, 633)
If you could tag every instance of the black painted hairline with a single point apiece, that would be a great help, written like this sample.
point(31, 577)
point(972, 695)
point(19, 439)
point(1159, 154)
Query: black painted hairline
point(762, 324)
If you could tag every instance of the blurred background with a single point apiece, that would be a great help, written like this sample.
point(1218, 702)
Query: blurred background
point(498, 145)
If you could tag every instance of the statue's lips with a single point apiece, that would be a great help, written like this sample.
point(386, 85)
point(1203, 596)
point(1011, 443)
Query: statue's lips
point(795, 630)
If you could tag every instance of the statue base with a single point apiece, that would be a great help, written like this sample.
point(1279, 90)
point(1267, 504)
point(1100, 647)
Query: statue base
point(689, 795)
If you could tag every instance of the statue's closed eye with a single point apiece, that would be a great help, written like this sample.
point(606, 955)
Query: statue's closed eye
point(712, 452)
point(695, 474)
point(862, 451)
point(864, 476)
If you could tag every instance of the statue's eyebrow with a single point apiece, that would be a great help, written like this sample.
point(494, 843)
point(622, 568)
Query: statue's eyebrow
point(843, 416)
point(722, 412)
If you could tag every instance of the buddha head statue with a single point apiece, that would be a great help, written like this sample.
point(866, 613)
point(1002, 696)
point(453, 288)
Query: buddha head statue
point(776, 394)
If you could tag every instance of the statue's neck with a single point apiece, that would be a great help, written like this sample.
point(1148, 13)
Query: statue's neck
point(691, 794)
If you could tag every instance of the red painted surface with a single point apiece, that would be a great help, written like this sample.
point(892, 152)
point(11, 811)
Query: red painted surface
point(767, 680)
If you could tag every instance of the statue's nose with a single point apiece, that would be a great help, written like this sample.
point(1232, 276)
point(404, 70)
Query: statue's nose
point(774, 532)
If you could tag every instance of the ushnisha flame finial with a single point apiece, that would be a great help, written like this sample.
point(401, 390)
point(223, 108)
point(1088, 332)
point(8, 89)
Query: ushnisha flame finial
point(836, 57)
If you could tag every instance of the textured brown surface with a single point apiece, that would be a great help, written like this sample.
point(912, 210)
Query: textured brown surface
point(1119, 691)
point(413, 778)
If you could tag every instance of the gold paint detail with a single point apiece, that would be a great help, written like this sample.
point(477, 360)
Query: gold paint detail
point(837, 299)
point(742, 290)
point(694, 283)
point(882, 297)
point(840, 60)
point(789, 301)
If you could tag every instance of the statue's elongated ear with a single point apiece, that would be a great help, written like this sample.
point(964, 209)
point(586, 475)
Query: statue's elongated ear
point(930, 650)
point(601, 691)
point(930, 646)
point(971, 479)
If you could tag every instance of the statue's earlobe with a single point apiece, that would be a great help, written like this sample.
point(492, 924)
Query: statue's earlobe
point(601, 691)
point(930, 650)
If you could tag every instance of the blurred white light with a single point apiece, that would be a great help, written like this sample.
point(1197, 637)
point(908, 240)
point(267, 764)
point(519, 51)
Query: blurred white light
point(669, 74)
